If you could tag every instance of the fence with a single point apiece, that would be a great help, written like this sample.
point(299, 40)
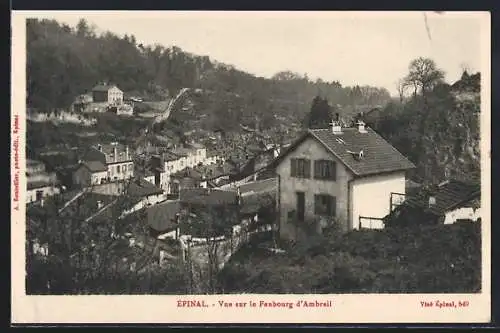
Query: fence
point(396, 200)
point(366, 222)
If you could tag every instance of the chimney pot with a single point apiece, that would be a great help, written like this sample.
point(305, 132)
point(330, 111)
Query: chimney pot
point(336, 127)
point(361, 127)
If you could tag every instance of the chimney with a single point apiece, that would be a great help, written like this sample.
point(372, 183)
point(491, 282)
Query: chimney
point(127, 156)
point(99, 147)
point(432, 201)
point(336, 127)
point(337, 116)
point(115, 154)
point(99, 204)
point(361, 126)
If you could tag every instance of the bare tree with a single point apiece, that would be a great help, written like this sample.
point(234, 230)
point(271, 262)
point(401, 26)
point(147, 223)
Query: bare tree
point(402, 87)
point(423, 75)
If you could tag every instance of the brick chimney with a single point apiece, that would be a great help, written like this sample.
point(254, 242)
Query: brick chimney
point(115, 154)
point(127, 156)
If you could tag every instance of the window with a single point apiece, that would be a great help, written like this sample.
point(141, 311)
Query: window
point(300, 167)
point(324, 205)
point(130, 167)
point(325, 169)
point(39, 195)
point(117, 169)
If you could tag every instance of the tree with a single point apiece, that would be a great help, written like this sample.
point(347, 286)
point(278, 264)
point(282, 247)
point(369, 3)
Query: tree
point(210, 223)
point(91, 254)
point(319, 116)
point(402, 86)
point(423, 75)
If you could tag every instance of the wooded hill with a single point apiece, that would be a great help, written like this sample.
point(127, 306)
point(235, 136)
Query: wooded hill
point(64, 62)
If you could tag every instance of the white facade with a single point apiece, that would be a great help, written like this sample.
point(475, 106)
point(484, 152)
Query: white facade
point(36, 194)
point(115, 95)
point(467, 213)
point(150, 179)
point(120, 170)
point(98, 177)
point(370, 197)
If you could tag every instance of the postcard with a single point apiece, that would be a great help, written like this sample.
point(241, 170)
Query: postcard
point(250, 167)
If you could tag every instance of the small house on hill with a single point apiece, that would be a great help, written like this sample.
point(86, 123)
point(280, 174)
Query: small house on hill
point(445, 204)
point(103, 93)
point(337, 177)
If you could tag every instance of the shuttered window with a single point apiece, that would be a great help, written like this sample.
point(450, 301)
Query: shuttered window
point(325, 205)
point(300, 168)
point(325, 169)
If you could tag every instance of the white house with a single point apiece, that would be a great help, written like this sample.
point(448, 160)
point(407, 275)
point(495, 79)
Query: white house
point(337, 177)
point(446, 203)
point(40, 183)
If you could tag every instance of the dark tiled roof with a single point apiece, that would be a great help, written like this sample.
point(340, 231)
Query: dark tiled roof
point(169, 156)
point(142, 188)
point(187, 173)
point(266, 185)
point(161, 217)
point(207, 197)
point(103, 87)
point(448, 196)
point(95, 166)
point(378, 155)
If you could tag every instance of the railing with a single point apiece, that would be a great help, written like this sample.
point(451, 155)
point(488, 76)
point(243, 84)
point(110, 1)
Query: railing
point(396, 200)
point(367, 222)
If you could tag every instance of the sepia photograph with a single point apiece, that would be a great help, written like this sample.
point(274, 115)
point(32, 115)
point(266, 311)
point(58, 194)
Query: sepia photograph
point(305, 154)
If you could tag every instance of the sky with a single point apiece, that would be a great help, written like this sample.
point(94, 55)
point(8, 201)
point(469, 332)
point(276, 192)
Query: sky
point(364, 48)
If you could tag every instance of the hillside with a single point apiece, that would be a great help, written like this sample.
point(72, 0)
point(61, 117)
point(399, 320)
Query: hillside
point(64, 62)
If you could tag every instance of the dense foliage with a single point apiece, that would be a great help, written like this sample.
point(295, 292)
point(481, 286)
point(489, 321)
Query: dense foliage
point(438, 131)
point(442, 259)
point(94, 256)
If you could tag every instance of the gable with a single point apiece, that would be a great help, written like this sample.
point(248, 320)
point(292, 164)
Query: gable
point(309, 148)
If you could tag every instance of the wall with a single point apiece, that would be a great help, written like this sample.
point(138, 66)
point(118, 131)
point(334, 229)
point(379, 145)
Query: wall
point(312, 150)
point(468, 213)
point(371, 195)
point(115, 95)
point(46, 190)
point(100, 96)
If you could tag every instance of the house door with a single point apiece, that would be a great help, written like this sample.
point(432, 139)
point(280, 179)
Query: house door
point(301, 203)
